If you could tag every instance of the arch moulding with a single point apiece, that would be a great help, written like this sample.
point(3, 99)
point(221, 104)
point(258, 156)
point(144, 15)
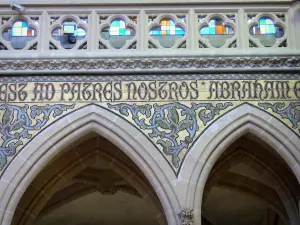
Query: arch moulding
point(218, 137)
point(61, 134)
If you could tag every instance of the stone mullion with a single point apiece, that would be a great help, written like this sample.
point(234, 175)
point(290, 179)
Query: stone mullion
point(294, 26)
point(93, 32)
point(242, 31)
point(191, 31)
point(142, 34)
point(44, 32)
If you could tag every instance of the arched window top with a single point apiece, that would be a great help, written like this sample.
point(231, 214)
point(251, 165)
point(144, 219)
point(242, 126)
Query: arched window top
point(118, 28)
point(20, 29)
point(167, 28)
point(216, 27)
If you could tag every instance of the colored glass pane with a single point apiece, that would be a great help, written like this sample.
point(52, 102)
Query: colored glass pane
point(265, 26)
point(216, 27)
point(167, 28)
point(118, 28)
point(80, 32)
point(21, 29)
point(69, 28)
point(266, 31)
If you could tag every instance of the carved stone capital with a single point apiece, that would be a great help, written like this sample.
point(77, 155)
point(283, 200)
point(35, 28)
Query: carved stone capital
point(187, 216)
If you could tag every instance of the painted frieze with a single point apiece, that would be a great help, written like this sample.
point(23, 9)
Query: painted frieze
point(171, 111)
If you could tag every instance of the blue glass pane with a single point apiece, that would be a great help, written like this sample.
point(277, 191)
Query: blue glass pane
point(167, 28)
point(80, 32)
point(266, 26)
point(204, 30)
point(115, 23)
point(21, 29)
point(155, 32)
point(118, 28)
point(262, 21)
point(216, 27)
point(212, 30)
point(179, 31)
point(69, 28)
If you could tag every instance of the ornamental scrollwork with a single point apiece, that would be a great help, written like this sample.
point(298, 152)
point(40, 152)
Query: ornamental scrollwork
point(19, 123)
point(290, 112)
point(171, 126)
point(150, 64)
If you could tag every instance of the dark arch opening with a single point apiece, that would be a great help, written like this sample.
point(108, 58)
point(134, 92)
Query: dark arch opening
point(250, 184)
point(90, 182)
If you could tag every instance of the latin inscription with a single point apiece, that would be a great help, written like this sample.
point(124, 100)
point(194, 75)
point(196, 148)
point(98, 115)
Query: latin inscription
point(151, 91)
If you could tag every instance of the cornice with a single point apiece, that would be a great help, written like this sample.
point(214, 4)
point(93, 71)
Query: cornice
point(150, 77)
point(133, 2)
point(157, 64)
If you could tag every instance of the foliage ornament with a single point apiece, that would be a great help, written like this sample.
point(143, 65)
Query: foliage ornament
point(290, 112)
point(171, 126)
point(19, 123)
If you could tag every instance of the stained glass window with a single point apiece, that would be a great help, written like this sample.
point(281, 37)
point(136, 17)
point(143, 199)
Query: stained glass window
point(216, 27)
point(69, 28)
point(79, 32)
point(21, 29)
point(167, 28)
point(266, 26)
point(118, 28)
point(266, 31)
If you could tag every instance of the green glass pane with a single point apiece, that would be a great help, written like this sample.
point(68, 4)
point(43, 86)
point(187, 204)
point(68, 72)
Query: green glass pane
point(122, 31)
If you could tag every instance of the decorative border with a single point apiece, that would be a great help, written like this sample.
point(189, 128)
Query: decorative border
point(149, 77)
point(146, 64)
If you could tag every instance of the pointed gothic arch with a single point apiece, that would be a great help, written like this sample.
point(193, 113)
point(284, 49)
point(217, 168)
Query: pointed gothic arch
point(50, 142)
point(218, 137)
